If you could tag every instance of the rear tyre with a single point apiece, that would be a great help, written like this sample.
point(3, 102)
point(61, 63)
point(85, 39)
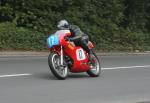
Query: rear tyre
point(59, 71)
point(95, 68)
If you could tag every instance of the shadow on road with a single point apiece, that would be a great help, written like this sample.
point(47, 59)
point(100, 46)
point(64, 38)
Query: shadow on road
point(78, 75)
point(49, 76)
point(144, 102)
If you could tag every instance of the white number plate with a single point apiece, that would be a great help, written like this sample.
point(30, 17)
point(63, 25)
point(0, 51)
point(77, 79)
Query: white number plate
point(80, 54)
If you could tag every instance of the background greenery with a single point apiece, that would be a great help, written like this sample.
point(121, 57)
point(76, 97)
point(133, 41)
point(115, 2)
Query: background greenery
point(113, 25)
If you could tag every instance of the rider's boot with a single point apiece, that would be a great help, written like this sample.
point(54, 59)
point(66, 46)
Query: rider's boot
point(90, 56)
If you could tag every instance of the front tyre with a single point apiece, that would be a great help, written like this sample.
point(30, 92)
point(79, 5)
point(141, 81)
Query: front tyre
point(95, 68)
point(59, 71)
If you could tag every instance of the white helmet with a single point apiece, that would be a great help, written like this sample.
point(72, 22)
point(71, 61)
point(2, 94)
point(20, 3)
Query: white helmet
point(63, 24)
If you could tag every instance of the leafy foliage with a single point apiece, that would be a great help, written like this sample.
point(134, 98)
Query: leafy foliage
point(15, 38)
point(111, 24)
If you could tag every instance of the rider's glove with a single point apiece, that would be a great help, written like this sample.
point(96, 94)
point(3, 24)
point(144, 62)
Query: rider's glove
point(67, 38)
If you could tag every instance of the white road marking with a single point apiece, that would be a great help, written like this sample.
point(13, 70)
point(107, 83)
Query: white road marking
point(28, 74)
point(15, 75)
point(144, 66)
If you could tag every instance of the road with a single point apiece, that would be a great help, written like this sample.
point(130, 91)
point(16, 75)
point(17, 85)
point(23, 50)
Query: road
point(124, 79)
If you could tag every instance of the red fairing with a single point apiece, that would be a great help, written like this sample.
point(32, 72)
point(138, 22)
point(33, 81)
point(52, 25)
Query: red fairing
point(61, 38)
point(79, 65)
point(55, 49)
point(77, 54)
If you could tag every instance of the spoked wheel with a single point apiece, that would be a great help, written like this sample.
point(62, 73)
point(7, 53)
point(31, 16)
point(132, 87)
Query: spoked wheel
point(95, 68)
point(59, 71)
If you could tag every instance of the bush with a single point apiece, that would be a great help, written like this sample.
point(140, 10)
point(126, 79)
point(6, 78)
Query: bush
point(111, 24)
point(12, 37)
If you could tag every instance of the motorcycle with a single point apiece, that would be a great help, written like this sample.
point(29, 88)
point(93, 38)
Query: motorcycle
point(65, 57)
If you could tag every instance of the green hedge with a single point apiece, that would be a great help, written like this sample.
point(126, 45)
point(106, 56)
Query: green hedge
point(122, 25)
point(18, 38)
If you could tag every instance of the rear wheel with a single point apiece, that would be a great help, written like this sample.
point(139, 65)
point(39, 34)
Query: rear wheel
point(59, 71)
point(95, 68)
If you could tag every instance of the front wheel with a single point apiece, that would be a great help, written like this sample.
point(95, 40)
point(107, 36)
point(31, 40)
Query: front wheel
point(95, 68)
point(59, 71)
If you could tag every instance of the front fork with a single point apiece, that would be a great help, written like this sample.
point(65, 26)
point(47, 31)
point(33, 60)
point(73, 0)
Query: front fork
point(61, 56)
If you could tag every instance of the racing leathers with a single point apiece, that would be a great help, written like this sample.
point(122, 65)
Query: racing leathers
point(79, 38)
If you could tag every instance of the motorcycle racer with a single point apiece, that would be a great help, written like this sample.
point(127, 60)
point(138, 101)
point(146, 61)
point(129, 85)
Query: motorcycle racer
point(77, 36)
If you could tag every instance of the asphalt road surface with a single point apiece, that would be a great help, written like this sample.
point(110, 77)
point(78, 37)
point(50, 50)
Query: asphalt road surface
point(124, 79)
